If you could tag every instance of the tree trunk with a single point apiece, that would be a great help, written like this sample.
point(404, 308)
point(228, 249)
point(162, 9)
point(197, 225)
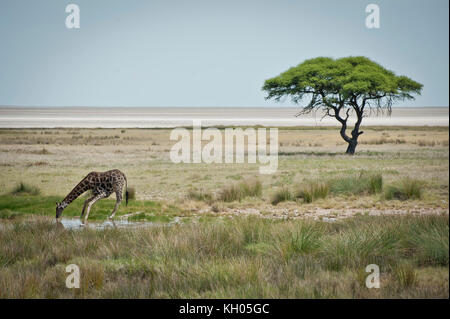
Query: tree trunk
point(351, 147)
point(353, 140)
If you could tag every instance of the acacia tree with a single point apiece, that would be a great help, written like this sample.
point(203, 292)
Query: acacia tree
point(341, 86)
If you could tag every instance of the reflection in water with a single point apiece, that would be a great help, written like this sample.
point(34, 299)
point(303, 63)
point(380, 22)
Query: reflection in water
point(75, 224)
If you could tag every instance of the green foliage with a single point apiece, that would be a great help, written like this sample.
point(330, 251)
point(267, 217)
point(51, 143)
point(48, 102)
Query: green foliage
point(237, 192)
point(12, 206)
point(312, 191)
point(428, 240)
point(348, 77)
point(236, 257)
point(200, 195)
point(357, 184)
point(407, 188)
point(405, 274)
point(339, 86)
point(282, 195)
point(25, 189)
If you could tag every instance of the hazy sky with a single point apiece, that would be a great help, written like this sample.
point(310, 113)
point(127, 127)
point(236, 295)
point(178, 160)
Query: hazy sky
point(206, 53)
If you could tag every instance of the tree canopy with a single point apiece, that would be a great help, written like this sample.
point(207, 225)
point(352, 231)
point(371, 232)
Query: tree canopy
point(339, 86)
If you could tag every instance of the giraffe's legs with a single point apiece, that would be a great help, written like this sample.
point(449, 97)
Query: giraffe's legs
point(96, 198)
point(86, 202)
point(118, 200)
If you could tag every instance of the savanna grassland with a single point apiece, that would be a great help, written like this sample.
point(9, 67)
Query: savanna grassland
point(223, 230)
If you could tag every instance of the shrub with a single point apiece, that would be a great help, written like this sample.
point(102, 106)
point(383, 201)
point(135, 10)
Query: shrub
point(428, 240)
point(408, 188)
point(251, 188)
point(383, 140)
point(200, 195)
point(23, 188)
point(375, 183)
point(313, 191)
point(364, 183)
point(247, 188)
point(281, 195)
point(424, 143)
point(405, 275)
point(231, 194)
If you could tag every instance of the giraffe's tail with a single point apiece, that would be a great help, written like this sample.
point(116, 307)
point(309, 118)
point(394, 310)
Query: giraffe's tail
point(126, 192)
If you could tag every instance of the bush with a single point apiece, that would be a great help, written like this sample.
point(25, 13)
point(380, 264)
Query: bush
point(237, 192)
point(281, 195)
point(375, 183)
point(313, 191)
point(428, 240)
point(364, 183)
point(252, 188)
point(405, 274)
point(200, 195)
point(408, 188)
point(23, 188)
point(231, 194)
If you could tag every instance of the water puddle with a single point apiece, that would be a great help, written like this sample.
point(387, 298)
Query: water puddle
point(75, 224)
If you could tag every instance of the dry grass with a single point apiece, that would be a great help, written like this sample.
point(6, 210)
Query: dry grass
point(282, 195)
point(143, 154)
point(25, 189)
point(218, 256)
point(407, 188)
point(312, 191)
point(239, 191)
point(237, 258)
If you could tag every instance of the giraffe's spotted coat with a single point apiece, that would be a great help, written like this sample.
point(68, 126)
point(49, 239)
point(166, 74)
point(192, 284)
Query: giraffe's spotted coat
point(102, 185)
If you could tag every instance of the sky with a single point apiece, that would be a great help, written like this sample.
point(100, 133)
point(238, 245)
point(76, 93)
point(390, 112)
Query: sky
point(206, 52)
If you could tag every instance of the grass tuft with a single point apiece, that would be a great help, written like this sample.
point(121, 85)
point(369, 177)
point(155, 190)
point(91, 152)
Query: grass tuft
point(405, 274)
point(407, 188)
point(357, 184)
point(237, 192)
point(312, 191)
point(238, 257)
point(25, 189)
point(282, 195)
point(200, 195)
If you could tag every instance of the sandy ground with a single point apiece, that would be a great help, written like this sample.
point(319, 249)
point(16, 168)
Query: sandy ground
point(55, 160)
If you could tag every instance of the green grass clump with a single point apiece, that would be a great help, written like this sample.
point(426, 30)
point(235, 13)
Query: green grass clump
point(312, 191)
point(25, 189)
point(230, 194)
point(408, 188)
point(14, 206)
point(200, 195)
point(428, 240)
point(8, 214)
point(282, 195)
point(357, 184)
point(237, 192)
point(241, 257)
point(251, 188)
point(405, 274)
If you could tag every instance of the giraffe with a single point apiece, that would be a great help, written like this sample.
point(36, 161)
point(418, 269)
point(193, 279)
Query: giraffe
point(102, 184)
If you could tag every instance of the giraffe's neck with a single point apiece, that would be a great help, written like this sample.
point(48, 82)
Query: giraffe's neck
point(75, 192)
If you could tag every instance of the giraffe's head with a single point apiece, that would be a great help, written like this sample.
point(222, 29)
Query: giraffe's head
point(59, 209)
